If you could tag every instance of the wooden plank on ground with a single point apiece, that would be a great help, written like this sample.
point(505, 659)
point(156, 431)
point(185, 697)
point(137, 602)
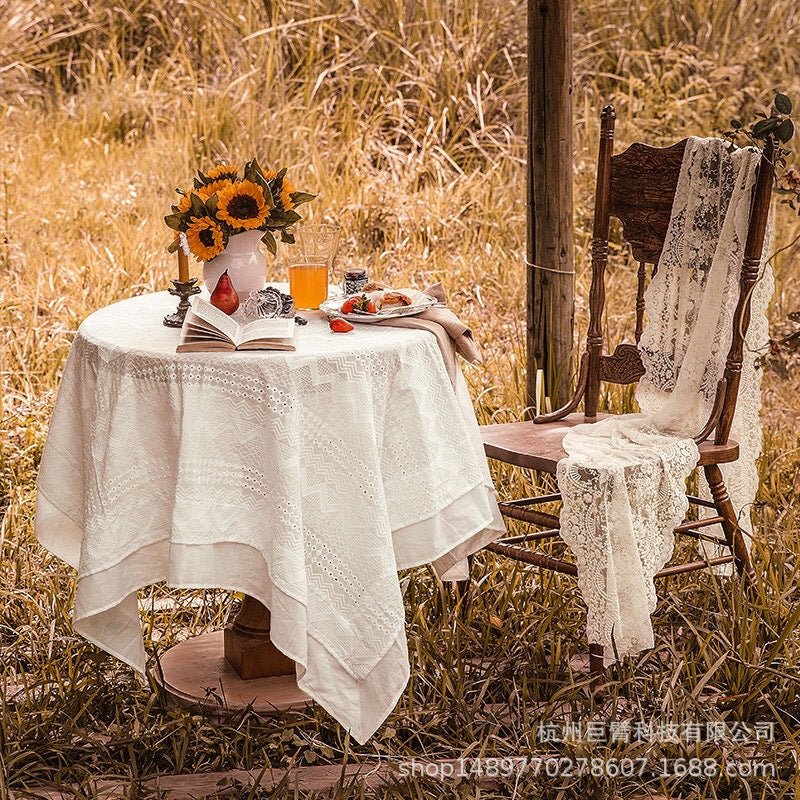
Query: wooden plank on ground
point(208, 784)
point(205, 785)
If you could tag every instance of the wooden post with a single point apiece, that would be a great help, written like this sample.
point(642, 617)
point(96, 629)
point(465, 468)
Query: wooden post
point(549, 198)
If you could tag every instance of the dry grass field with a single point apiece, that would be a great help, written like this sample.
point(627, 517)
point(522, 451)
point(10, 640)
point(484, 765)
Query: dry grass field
point(407, 116)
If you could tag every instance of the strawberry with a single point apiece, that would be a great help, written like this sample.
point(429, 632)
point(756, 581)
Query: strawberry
point(339, 325)
point(360, 302)
point(371, 307)
point(348, 305)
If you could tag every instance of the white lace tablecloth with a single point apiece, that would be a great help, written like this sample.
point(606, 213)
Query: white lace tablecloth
point(304, 479)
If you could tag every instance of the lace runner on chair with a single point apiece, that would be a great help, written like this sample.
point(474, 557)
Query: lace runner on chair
point(623, 481)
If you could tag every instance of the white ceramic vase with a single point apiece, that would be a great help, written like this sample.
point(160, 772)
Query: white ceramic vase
point(245, 262)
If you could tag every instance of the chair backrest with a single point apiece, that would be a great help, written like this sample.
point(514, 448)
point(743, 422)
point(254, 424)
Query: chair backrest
point(638, 187)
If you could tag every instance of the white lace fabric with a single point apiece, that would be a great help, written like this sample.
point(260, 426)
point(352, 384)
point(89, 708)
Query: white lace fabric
point(304, 479)
point(623, 481)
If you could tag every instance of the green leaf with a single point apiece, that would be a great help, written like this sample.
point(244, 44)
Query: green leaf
point(268, 196)
point(783, 105)
point(275, 219)
point(290, 217)
point(175, 221)
point(251, 171)
point(764, 127)
point(256, 167)
point(282, 219)
point(785, 130)
point(211, 205)
point(286, 237)
point(301, 197)
point(173, 246)
point(198, 206)
point(269, 241)
point(261, 181)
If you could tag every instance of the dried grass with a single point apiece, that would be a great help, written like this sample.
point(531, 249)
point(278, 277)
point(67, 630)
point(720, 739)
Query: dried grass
point(408, 118)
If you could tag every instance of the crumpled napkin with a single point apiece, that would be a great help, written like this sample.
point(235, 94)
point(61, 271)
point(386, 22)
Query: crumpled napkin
point(452, 335)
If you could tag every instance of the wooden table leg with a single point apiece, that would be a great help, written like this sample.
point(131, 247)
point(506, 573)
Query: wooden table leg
point(248, 648)
point(231, 670)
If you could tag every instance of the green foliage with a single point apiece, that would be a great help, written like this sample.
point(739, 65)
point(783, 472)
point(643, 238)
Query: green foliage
point(778, 123)
point(281, 211)
point(269, 241)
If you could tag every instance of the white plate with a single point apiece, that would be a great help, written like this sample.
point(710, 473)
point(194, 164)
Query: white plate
point(420, 302)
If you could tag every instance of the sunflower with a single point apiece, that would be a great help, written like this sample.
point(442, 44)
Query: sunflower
point(206, 238)
point(229, 171)
point(204, 192)
point(242, 205)
point(287, 190)
point(184, 203)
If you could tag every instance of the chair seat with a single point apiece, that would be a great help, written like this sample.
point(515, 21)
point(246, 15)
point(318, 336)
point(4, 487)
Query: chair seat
point(526, 444)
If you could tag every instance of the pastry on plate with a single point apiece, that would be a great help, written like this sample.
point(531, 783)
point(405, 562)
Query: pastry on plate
point(395, 299)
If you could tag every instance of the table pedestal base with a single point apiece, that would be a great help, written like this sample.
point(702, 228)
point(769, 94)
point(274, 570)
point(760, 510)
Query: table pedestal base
point(248, 647)
point(232, 669)
point(196, 673)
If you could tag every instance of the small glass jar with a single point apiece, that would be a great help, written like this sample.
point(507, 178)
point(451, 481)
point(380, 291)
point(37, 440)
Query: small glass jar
point(354, 281)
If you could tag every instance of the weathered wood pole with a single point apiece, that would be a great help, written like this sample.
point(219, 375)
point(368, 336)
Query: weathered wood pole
point(549, 198)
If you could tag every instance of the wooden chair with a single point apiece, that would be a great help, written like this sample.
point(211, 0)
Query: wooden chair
point(638, 187)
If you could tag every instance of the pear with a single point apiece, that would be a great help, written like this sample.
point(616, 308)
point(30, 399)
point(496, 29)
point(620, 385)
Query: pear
point(224, 296)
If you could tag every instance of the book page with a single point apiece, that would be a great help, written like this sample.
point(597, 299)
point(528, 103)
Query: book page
point(208, 328)
point(268, 344)
point(216, 318)
point(194, 332)
point(267, 329)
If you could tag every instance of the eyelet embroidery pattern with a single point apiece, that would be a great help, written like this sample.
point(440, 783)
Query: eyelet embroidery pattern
point(313, 460)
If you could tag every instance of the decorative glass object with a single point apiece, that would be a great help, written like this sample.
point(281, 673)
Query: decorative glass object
point(267, 303)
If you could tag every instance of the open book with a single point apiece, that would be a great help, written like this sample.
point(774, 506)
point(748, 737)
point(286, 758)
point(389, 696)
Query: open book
point(207, 329)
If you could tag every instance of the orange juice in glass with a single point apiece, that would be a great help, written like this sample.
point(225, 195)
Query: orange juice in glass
point(308, 282)
point(309, 268)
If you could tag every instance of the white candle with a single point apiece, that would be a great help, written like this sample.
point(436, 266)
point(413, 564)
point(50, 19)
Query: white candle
point(183, 259)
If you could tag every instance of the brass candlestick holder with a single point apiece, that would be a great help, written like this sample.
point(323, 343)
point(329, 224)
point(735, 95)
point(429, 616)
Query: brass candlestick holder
point(184, 290)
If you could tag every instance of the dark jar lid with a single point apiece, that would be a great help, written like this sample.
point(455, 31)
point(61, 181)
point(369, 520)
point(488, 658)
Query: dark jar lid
point(356, 273)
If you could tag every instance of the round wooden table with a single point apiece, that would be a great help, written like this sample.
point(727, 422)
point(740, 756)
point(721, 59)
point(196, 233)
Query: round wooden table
point(302, 479)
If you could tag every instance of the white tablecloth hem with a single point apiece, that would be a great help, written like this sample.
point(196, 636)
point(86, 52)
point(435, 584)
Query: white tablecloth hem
point(107, 615)
point(460, 529)
point(57, 531)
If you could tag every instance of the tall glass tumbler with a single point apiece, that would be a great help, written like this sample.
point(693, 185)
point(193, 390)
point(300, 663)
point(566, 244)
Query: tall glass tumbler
point(311, 262)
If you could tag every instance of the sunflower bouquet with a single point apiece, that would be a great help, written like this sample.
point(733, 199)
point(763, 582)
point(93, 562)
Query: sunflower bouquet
point(227, 201)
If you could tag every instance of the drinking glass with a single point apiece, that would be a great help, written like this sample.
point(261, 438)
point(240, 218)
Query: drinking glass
point(308, 282)
point(309, 268)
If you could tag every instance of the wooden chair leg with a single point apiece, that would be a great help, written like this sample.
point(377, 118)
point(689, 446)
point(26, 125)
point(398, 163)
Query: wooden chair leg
point(730, 524)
